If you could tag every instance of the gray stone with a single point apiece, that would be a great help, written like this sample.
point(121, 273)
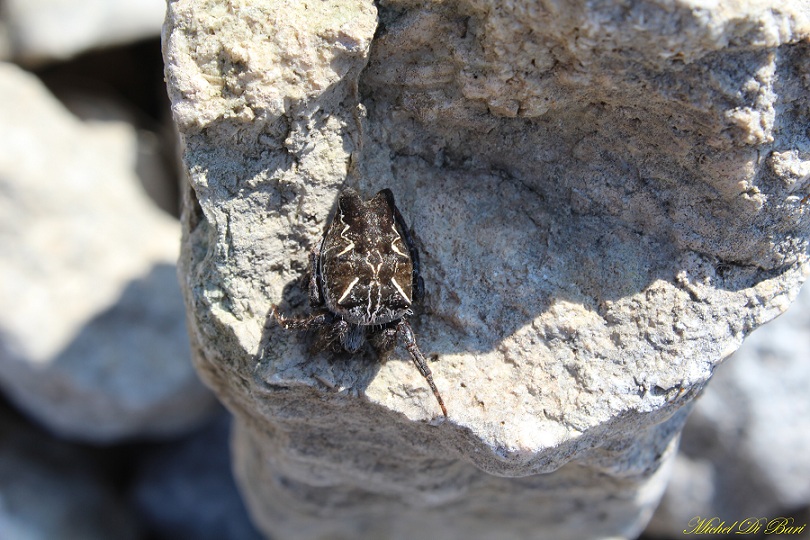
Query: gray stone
point(607, 200)
point(155, 148)
point(187, 490)
point(92, 335)
point(36, 31)
point(50, 489)
point(744, 450)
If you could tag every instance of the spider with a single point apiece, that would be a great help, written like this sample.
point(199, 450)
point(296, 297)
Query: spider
point(364, 280)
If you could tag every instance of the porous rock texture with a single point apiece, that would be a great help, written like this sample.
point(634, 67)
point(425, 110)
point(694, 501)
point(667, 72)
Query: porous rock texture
point(743, 452)
point(92, 336)
point(607, 198)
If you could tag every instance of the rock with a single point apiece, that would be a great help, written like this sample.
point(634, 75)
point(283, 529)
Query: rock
point(187, 490)
point(37, 31)
point(126, 84)
point(92, 335)
point(603, 214)
point(744, 450)
point(50, 489)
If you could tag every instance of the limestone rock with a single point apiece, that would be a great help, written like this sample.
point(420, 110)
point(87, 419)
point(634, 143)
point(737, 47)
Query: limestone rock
point(744, 450)
point(92, 336)
point(607, 199)
point(35, 31)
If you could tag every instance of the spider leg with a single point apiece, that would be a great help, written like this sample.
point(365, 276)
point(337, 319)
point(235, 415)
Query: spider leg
point(419, 359)
point(315, 298)
point(328, 331)
point(328, 338)
point(315, 320)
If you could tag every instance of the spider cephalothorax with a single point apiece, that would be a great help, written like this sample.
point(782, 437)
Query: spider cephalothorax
point(364, 280)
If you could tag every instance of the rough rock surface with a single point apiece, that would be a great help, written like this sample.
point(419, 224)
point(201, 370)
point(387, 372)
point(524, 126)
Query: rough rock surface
point(607, 199)
point(37, 31)
point(92, 334)
point(744, 449)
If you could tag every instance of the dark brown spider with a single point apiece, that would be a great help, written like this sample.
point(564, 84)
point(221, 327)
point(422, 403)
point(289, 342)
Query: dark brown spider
point(364, 280)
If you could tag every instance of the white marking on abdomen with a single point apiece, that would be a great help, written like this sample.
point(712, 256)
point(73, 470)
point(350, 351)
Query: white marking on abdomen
point(375, 269)
point(394, 241)
point(348, 290)
point(346, 249)
point(350, 245)
point(399, 288)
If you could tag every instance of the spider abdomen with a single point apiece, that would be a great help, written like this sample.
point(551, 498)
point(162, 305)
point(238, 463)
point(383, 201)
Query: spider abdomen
point(366, 267)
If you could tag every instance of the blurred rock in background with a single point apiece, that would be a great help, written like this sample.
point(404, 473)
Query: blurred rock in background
point(38, 31)
point(93, 330)
point(125, 84)
point(93, 342)
point(186, 489)
point(54, 489)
